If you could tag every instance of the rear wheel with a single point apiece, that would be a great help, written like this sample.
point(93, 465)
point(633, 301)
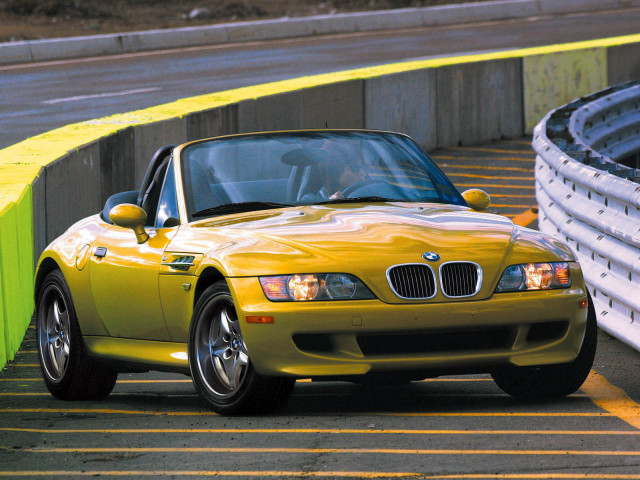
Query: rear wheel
point(68, 372)
point(552, 381)
point(220, 366)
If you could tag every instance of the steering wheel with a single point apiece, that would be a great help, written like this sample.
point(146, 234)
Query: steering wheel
point(358, 185)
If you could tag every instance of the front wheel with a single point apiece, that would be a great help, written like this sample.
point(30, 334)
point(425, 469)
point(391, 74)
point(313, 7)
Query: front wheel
point(552, 381)
point(220, 366)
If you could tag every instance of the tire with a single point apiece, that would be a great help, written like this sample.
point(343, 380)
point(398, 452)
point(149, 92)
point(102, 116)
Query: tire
point(552, 381)
point(68, 372)
point(220, 366)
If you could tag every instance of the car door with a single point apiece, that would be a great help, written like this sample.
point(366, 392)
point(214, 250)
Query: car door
point(124, 274)
point(124, 283)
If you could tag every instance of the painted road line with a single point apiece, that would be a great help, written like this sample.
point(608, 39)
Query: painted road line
point(330, 474)
point(431, 395)
point(492, 177)
point(105, 411)
point(20, 379)
point(526, 218)
point(611, 399)
point(300, 394)
point(491, 167)
point(495, 414)
point(489, 186)
point(494, 150)
point(336, 431)
point(405, 414)
point(102, 95)
point(466, 159)
point(368, 451)
point(212, 473)
point(536, 476)
point(303, 380)
point(501, 205)
point(508, 195)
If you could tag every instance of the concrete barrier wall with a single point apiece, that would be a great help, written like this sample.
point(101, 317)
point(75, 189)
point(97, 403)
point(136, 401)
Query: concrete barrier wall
point(49, 181)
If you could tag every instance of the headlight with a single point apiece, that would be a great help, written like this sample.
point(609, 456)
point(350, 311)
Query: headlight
point(311, 286)
point(535, 276)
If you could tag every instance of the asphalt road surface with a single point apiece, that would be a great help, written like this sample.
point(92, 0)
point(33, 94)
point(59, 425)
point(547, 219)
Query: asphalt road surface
point(39, 97)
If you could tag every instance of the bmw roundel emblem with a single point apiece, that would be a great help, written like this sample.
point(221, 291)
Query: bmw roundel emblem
point(431, 256)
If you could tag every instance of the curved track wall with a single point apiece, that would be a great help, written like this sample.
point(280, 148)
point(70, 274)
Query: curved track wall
point(49, 181)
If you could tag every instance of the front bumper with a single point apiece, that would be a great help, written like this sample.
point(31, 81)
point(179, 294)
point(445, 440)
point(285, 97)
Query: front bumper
point(338, 338)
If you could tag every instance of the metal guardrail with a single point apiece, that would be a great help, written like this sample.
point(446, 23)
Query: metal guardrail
point(588, 192)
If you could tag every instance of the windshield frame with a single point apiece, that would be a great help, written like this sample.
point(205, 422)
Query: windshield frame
point(431, 169)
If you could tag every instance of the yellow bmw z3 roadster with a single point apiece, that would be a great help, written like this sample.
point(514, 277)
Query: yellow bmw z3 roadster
point(248, 261)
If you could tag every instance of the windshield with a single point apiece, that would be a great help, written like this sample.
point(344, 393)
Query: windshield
point(261, 171)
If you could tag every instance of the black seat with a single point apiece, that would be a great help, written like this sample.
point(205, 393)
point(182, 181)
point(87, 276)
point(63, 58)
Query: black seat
point(161, 154)
point(152, 195)
point(305, 173)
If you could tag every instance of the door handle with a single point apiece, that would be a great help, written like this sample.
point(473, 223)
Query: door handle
point(100, 252)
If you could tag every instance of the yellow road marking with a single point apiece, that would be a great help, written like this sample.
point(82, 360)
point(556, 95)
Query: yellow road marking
point(20, 379)
point(498, 414)
point(536, 476)
point(525, 218)
point(24, 394)
point(519, 142)
point(306, 473)
point(502, 205)
point(303, 380)
point(155, 381)
point(508, 195)
point(612, 399)
point(489, 186)
point(23, 365)
point(490, 150)
point(192, 473)
point(417, 414)
point(489, 167)
point(101, 410)
point(346, 431)
point(310, 394)
point(389, 451)
point(497, 159)
point(492, 177)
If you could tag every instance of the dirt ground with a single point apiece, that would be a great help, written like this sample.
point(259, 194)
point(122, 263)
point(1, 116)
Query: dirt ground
point(36, 19)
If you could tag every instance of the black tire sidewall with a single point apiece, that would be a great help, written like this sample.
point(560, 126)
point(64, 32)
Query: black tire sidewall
point(553, 381)
point(238, 401)
point(76, 351)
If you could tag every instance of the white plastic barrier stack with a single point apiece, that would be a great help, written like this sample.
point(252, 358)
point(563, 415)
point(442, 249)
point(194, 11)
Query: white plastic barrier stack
point(592, 203)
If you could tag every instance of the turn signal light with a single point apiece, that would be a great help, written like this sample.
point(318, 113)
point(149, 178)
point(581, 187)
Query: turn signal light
point(259, 319)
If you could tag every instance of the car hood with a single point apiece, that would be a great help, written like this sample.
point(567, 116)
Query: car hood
point(365, 240)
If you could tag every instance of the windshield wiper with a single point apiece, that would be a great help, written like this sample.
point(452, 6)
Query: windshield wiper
point(357, 200)
point(238, 208)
